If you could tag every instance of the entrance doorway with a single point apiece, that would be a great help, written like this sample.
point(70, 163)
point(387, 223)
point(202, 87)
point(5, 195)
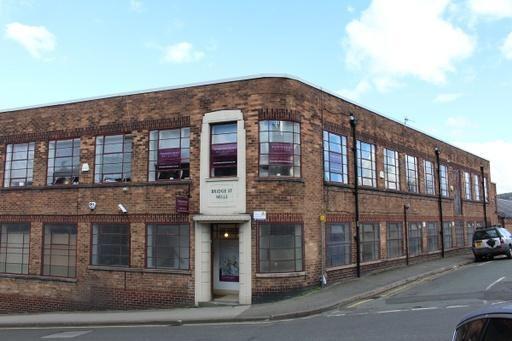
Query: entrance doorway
point(226, 262)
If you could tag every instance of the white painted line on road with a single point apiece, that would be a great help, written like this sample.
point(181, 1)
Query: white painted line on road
point(426, 308)
point(483, 263)
point(499, 302)
point(360, 314)
point(390, 311)
point(89, 326)
point(67, 335)
point(457, 306)
point(494, 283)
point(338, 314)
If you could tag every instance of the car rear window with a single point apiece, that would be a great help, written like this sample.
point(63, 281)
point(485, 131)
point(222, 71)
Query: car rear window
point(485, 234)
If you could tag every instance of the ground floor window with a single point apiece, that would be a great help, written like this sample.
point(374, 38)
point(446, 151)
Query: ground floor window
point(414, 239)
point(168, 246)
point(110, 244)
point(432, 237)
point(459, 233)
point(337, 239)
point(394, 240)
point(280, 247)
point(470, 229)
point(59, 253)
point(370, 242)
point(14, 248)
point(447, 235)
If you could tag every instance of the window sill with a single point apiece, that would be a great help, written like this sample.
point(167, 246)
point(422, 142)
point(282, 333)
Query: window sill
point(280, 178)
point(340, 267)
point(281, 274)
point(220, 178)
point(140, 270)
point(103, 185)
point(395, 258)
point(337, 184)
point(40, 278)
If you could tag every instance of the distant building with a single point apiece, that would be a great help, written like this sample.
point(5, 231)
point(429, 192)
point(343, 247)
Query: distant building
point(240, 190)
point(505, 212)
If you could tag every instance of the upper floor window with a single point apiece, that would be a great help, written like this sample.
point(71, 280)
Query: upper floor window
point(63, 162)
point(411, 173)
point(486, 191)
point(444, 180)
point(19, 164)
point(14, 248)
point(279, 148)
point(113, 158)
point(467, 186)
point(476, 187)
point(223, 149)
point(366, 174)
point(335, 158)
point(391, 169)
point(429, 177)
point(169, 154)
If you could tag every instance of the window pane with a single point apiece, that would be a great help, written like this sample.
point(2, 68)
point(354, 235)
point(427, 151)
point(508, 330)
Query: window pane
point(110, 244)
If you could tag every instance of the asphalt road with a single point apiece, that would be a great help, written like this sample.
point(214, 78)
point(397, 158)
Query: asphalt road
point(427, 310)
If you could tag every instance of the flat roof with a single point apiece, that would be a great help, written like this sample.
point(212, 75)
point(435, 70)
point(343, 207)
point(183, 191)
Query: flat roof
point(230, 80)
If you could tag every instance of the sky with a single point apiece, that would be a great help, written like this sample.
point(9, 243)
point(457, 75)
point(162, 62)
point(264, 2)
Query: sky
point(445, 66)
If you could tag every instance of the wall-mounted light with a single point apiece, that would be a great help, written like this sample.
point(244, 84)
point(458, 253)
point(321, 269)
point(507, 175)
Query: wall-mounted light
point(226, 234)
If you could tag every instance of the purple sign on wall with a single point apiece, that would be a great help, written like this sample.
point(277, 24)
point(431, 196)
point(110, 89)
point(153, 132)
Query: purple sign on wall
point(182, 204)
point(280, 153)
point(223, 154)
point(169, 157)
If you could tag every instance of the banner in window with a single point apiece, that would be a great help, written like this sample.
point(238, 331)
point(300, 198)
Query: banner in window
point(169, 157)
point(223, 154)
point(280, 153)
point(335, 162)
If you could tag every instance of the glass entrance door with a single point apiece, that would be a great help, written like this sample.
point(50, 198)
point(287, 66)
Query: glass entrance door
point(226, 262)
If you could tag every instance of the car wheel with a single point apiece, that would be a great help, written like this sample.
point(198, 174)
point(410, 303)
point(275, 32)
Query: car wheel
point(477, 259)
point(509, 252)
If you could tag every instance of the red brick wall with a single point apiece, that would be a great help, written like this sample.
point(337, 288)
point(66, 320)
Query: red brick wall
point(283, 199)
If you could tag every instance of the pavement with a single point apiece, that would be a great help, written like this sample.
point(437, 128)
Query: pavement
point(312, 302)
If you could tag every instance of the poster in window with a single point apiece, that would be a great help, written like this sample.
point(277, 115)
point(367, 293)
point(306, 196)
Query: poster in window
point(169, 157)
point(229, 266)
point(335, 162)
point(280, 153)
point(223, 154)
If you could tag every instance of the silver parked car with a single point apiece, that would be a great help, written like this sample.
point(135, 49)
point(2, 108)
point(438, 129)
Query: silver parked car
point(492, 323)
point(491, 242)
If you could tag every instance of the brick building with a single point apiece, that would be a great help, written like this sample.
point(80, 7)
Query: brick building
point(241, 189)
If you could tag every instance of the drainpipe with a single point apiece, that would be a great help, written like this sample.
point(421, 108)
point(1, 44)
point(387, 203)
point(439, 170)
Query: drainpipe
point(353, 123)
point(406, 234)
point(483, 195)
point(440, 199)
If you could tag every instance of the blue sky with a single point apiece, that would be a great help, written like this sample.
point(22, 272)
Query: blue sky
point(445, 65)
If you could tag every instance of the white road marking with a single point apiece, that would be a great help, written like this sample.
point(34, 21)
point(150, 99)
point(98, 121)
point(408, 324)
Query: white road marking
point(67, 335)
point(483, 263)
point(390, 311)
point(426, 308)
point(499, 302)
point(494, 283)
point(457, 306)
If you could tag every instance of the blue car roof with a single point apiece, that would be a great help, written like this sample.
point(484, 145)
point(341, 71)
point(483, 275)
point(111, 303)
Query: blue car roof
point(498, 309)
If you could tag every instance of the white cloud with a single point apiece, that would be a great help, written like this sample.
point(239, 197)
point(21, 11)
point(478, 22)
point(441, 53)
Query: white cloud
point(37, 40)
point(448, 97)
point(395, 39)
point(492, 8)
point(182, 52)
point(459, 122)
point(496, 152)
point(506, 48)
point(136, 5)
point(350, 9)
point(354, 94)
